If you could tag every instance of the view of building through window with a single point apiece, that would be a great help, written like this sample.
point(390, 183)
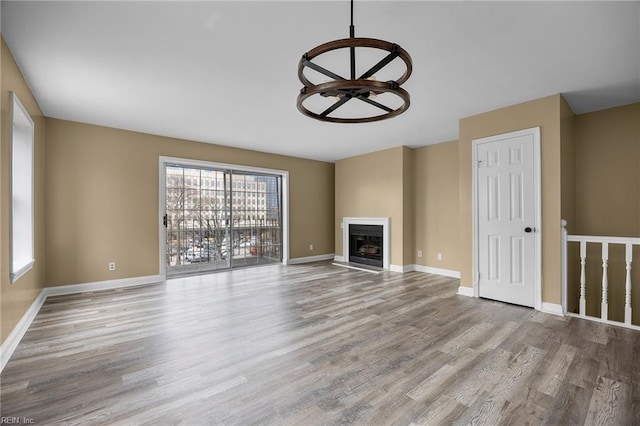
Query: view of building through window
point(217, 219)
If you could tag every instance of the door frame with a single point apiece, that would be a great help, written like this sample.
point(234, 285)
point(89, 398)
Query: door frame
point(537, 183)
point(163, 161)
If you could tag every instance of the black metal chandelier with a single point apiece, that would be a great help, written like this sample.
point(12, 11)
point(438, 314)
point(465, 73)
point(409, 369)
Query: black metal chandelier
point(363, 88)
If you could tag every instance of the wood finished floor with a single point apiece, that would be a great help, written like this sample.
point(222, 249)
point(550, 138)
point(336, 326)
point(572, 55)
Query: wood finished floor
point(316, 344)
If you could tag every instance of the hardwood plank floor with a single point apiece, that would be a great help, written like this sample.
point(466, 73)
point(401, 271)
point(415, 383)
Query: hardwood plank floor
point(316, 344)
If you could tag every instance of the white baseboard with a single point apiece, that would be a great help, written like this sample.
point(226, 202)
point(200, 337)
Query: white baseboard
point(11, 343)
point(337, 258)
point(308, 259)
point(552, 308)
point(101, 285)
point(403, 269)
point(419, 268)
point(465, 291)
point(437, 271)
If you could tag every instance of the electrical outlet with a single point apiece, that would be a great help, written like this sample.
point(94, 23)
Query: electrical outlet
point(419, 253)
point(310, 247)
point(112, 266)
point(439, 256)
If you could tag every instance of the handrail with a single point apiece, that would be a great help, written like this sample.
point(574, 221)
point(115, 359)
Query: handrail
point(601, 239)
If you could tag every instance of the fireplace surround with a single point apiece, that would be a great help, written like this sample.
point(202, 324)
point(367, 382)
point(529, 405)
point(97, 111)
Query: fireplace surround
point(372, 250)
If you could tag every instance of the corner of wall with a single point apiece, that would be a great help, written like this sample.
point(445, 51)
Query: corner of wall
point(408, 255)
point(436, 206)
point(568, 164)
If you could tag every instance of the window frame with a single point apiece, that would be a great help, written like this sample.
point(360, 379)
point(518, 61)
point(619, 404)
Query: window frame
point(20, 117)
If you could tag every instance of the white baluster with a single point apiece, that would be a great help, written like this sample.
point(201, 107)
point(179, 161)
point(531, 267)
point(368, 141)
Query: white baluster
point(604, 312)
point(627, 293)
point(583, 280)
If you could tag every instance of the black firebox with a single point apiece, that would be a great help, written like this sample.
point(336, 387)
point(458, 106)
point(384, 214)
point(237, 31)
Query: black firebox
point(365, 244)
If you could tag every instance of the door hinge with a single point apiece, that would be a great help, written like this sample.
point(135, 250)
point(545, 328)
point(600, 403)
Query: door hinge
point(164, 220)
point(479, 163)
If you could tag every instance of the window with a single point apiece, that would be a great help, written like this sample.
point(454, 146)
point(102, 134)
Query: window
point(22, 234)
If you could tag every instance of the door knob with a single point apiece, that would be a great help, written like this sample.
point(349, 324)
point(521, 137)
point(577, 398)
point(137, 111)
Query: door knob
point(528, 229)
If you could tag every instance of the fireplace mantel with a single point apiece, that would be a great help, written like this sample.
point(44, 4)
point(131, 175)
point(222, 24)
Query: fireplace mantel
point(385, 222)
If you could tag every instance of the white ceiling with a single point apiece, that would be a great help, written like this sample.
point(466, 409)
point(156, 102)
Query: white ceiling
point(225, 72)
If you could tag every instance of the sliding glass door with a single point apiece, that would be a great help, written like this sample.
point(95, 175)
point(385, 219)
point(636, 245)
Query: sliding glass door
point(256, 219)
point(220, 218)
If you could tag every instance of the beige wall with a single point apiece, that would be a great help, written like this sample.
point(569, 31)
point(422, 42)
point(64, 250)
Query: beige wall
point(545, 113)
point(436, 205)
point(102, 199)
point(373, 185)
point(608, 172)
point(16, 298)
point(608, 200)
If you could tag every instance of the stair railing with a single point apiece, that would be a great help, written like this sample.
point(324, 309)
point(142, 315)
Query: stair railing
point(605, 242)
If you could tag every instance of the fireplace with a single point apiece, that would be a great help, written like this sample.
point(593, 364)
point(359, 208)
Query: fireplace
point(366, 244)
point(383, 224)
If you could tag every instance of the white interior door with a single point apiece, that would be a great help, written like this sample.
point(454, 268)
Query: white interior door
point(508, 217)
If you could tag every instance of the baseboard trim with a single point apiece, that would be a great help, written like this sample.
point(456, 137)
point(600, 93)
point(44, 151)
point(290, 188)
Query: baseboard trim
point(101, 285)
point(337, 258)
point(419, 268)
point(11, 343)
point(552, 308)
point(401, 269)
point(465, 291)
point(309, 259)
point(437, 271)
